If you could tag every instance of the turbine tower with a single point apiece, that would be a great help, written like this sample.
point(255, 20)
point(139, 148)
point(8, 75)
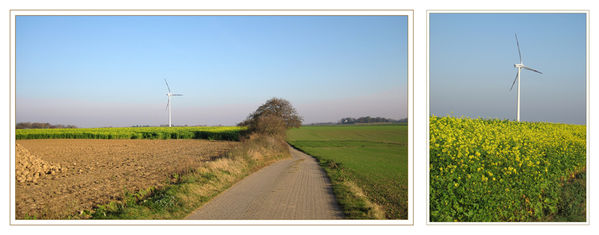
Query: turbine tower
point(168, 104)
point(520, 66)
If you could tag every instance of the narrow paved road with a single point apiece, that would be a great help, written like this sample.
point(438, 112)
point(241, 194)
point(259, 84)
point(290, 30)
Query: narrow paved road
point(295, 188)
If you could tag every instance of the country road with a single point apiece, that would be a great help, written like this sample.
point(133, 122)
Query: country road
point(290, 189)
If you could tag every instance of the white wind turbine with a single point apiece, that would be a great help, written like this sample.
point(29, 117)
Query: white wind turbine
point(168, 105)
point(520, 66)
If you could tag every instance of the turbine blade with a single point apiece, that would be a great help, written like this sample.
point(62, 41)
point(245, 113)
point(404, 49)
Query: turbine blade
point(166, 109)
point(516, 78)
point(531, 69)
point(169, 89)
point(518, 45)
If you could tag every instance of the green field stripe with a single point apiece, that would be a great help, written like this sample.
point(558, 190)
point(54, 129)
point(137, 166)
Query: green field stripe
point(373, 157)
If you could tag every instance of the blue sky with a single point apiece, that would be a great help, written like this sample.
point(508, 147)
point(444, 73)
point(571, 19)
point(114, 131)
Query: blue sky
point(95, 71)
point(471, 66)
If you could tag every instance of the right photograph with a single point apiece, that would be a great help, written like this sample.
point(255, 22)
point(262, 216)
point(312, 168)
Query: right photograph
point(508, 109)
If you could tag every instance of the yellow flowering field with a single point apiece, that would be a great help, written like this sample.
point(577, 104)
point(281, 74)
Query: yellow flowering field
point(499, 170)
point(192, 132)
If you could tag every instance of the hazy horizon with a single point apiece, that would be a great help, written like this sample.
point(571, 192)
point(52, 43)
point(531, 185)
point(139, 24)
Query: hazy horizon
point(192, 124)
point(472, 57)
point(100, 71)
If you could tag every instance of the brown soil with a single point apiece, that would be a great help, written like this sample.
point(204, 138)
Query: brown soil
point(92, 172)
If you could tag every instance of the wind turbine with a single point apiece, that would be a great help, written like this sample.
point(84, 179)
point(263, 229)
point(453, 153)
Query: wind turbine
point(520, 66)
point(169, 105)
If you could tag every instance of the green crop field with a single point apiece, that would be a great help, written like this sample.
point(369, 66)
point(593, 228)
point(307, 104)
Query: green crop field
point(501, 171)
point(373, 157)
point(212, 133)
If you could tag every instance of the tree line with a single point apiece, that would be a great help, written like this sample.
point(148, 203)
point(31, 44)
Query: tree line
point(40, 125)
point(369, 119)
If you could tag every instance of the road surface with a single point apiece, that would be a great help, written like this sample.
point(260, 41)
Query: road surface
point(290, 189)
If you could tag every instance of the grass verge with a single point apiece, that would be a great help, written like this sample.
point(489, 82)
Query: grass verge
point(191, 189)
point(352, 199)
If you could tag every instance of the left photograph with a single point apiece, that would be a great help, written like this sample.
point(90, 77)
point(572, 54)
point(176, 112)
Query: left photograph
point(227, 116)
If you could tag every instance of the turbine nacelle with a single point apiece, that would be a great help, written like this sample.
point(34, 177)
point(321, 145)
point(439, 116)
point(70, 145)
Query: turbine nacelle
point(519, 66)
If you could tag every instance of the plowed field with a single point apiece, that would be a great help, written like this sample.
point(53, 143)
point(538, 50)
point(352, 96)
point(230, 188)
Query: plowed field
point(98, 171)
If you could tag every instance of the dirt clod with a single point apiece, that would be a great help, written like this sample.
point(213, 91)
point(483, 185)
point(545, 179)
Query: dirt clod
point(30, 168)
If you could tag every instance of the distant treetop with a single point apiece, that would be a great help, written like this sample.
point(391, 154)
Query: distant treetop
point(368, 119)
